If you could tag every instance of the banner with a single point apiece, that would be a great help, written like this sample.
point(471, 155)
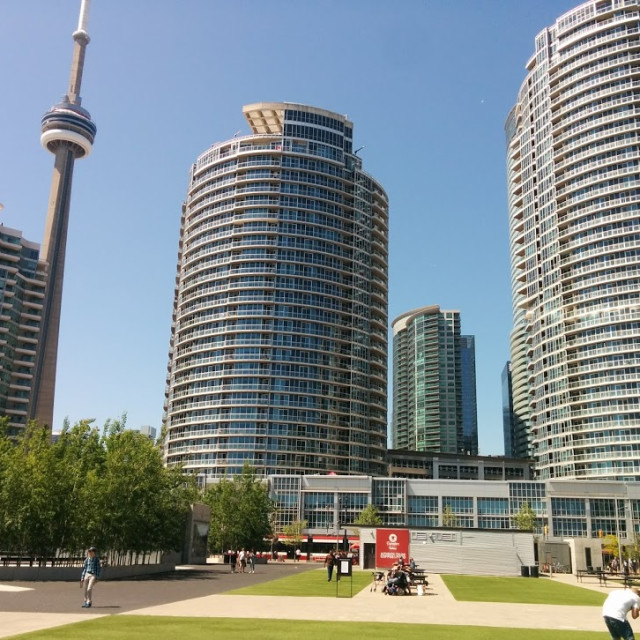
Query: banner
point(391, 545)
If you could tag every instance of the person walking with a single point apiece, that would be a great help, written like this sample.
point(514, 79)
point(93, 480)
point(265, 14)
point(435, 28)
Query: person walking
point(328, 563)
point(615, 609)
point(90, 575)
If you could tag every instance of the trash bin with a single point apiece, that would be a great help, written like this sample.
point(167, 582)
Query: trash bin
point(533, 571)
point(524, 571)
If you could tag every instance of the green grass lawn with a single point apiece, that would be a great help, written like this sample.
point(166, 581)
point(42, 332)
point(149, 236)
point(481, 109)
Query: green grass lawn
point(125, 627)
point(520, 590)
point(308, 584)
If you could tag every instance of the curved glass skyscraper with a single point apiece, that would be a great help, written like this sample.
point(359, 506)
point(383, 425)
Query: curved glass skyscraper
point(279, 338)
point(574, 215)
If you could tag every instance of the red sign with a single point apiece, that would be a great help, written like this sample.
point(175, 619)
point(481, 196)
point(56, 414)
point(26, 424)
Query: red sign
point(391, 545)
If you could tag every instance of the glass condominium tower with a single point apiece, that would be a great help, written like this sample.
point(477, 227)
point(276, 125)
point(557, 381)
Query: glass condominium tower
point(427, 381)
point(573, 164)
point(278, 352)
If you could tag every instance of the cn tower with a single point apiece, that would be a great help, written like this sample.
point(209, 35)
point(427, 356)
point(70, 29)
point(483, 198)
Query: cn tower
point(68, 132)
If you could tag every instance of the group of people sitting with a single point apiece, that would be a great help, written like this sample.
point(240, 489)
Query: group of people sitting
point(399, 578)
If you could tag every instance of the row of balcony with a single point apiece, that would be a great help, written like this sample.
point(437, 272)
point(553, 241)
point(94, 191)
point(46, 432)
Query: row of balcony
point(581, 240)
point(589, 180)
point(594, 135)
point(567, 229)
point(599, 251)
point(605, 63)
point(610, 80)
point(595, 149)
point(581, 61)
point(567, 49)
point(570, 142)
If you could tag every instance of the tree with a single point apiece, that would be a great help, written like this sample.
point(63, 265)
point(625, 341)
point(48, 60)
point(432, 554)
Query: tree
point(142, 505)
point(112, 491)
point(633, 549)
point(368, 517)
point(240, 512)
point(526, 518)
point(293, 532)
point(449, 519)
point(611, 546)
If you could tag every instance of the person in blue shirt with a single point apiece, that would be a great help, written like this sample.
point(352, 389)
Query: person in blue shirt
point(90, 575)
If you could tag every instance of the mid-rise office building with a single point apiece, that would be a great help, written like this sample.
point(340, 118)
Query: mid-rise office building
point(21, 294)
point(279, 339)
point(427, 381)
point(573, 162)
point(445, 516)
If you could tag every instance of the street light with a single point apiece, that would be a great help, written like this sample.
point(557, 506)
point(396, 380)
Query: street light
point(618, 536)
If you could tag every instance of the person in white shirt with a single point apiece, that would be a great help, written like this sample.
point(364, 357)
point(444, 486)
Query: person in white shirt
point(615, 609)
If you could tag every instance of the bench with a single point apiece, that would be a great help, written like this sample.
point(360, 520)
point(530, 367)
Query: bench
point(627, 580)
point(419, 577)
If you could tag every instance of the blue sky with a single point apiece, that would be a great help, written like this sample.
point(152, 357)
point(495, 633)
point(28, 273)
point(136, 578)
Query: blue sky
point(428, 85)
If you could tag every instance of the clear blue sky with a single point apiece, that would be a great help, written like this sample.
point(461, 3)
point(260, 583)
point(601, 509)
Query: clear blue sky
point(428, 85)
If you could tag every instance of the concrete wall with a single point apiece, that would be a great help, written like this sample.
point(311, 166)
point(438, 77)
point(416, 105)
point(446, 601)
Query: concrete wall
point(465, 551)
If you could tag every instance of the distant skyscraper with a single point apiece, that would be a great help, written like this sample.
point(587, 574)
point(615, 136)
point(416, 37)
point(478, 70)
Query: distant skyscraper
point(469, 400)
point(21, 292)
point(573, 164)
point(279, 339)
point(427, 381)
point(507, 412)
point(68, 132)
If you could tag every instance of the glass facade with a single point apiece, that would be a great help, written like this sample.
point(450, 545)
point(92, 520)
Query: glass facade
point(21, 296)
point(279, 339)
point(573, 166)
point(469, 401)
point(427, 382)
point(563, 508)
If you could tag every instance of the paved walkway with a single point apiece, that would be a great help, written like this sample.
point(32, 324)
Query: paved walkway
point(437, 606)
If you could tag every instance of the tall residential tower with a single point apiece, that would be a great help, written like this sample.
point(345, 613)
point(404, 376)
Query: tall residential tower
point(279, 338)
point(427, 381)
point(573, 162)
point(21, 293)
point(68, 132)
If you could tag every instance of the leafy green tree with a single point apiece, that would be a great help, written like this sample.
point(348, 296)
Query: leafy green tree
point(610, 545)
point(526, 519)
point(28, 493)
point(240, 512)
point(79, 453)
point(293, 532)
point(449, 519)
point(368, 517)
point(142, 505)
point(633, 549)
point(111, 490)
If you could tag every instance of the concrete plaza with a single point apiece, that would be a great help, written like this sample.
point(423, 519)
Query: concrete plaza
point(199, 592)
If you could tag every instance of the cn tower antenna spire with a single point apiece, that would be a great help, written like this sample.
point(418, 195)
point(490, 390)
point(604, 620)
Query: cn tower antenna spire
point(67, 132)
point(81, 37)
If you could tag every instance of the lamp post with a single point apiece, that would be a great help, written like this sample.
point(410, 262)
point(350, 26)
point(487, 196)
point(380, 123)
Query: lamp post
point(618, 537)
